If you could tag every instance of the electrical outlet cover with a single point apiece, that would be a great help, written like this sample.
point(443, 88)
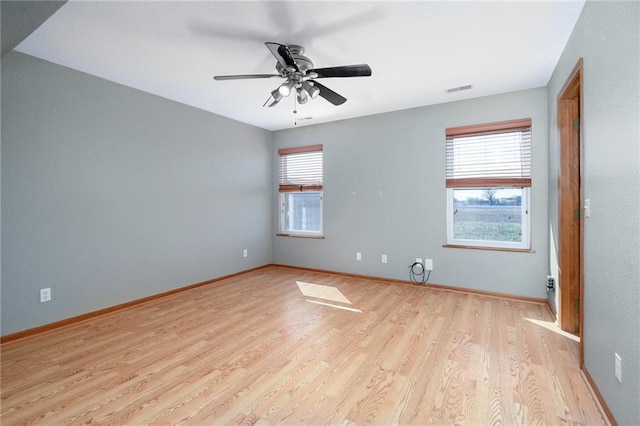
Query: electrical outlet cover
point(45, 294)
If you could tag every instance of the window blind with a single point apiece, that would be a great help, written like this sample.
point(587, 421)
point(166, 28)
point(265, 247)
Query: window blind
point(489, 155)
point(300, 169)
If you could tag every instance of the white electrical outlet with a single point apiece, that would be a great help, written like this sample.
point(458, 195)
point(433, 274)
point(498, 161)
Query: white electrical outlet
point(618, 367)
point(384, 258)
point(418, 260)
point(245, 253)
point(45, 294)
point(428, 264)
point(358, 256)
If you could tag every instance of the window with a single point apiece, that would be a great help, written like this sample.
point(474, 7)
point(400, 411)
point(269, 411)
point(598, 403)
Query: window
point(300, 186)
point(489, 185)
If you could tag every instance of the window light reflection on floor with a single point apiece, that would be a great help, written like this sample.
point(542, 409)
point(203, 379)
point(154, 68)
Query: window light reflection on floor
point(346, 308)
point(552, 326)
point(325, 292)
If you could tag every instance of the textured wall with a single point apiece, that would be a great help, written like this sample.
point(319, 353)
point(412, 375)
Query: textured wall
point(385, 193)
point(607, 36)
point(110, 194)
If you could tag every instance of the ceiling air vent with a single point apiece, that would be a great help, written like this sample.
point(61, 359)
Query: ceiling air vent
point(460, 88)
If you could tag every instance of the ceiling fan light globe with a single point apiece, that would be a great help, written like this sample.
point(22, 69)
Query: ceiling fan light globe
point(302, 95)
point(286, 87)
point(283, 91)
point(312, 90)
point(276, 94)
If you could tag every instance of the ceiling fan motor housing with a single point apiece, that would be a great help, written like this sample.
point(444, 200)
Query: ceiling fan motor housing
point(304, 63)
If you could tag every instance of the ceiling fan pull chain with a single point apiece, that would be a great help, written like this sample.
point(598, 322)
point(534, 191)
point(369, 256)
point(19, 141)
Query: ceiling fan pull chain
point(295, 112)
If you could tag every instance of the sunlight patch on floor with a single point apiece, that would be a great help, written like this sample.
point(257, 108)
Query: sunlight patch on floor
point(346, 308)
point(325, 292)
point(553, 327)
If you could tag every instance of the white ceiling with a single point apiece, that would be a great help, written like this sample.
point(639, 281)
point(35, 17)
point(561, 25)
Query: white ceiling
point(417, 50)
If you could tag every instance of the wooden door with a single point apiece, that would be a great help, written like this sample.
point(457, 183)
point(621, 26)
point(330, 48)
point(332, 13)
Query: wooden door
point(570, 226)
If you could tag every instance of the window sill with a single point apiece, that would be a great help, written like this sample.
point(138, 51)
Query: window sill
point(489, 248)
point(316, 237)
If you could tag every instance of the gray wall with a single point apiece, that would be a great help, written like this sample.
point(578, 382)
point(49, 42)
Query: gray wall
point(607, 36)
point(20, 18)
point(110, 194)
point(384, 180)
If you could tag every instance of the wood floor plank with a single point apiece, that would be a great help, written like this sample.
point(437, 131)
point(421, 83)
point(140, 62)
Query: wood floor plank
point(252, 349)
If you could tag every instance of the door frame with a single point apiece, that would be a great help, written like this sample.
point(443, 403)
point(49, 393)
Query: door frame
point(570, 202)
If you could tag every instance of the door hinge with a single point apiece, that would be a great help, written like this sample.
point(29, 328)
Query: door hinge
point(576, 124)
point(576, 305)
point(576, 214)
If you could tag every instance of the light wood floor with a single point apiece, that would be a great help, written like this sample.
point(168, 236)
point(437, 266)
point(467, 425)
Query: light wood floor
point(254, 349)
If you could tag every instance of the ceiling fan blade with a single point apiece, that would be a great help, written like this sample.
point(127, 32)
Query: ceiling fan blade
point(330, 95)
point(245, 76)
point(273, 101)
point(282, 54)
point(360, 70)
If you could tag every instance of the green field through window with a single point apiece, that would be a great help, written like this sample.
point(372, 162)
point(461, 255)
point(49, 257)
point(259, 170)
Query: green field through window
point(488, 223)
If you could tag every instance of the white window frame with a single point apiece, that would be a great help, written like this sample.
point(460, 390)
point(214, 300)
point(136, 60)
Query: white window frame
point(491, 174)
point(301, 233)
point(303, 178)
point(525, 244)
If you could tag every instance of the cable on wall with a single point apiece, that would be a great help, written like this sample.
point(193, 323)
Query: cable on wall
point(418, 274)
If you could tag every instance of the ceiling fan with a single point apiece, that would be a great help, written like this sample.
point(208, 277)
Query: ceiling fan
point(300, 75)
